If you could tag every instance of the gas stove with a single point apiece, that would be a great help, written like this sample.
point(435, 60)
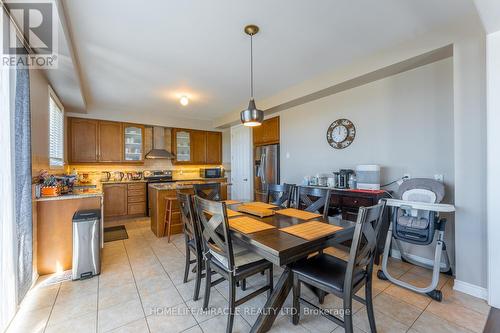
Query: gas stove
point(158, 176)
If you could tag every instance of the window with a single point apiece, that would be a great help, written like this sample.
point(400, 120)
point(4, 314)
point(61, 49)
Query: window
point(56, 131)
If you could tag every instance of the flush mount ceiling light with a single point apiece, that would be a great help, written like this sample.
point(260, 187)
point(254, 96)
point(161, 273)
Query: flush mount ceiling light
point(251, 116)
point(184, 100)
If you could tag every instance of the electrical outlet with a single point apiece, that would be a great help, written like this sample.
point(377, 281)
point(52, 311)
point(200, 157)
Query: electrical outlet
point(439, 178)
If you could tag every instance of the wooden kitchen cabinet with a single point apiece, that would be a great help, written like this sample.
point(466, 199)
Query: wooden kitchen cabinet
point(133, 142)
point(267, 133)
point(124, 200)
point(115, 200)
point(83, 137)
point(198, 147)
point(110, 141)
point(99, 141)
point(214, 148)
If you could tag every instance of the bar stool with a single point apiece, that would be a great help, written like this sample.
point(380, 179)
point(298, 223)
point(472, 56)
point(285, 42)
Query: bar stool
point(169, 208)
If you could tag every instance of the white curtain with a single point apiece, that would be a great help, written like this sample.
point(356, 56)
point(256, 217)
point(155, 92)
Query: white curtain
point(7, 218)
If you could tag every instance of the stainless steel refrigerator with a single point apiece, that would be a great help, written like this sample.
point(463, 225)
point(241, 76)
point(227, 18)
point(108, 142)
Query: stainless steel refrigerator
point(266, 169)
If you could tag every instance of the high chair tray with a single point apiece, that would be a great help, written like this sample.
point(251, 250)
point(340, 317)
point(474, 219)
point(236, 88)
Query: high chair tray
point(434, 207)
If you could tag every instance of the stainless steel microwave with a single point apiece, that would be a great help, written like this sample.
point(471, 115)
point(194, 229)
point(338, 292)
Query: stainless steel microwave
point(210, 172)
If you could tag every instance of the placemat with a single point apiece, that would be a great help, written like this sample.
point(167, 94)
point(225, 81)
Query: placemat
point(300, 214)
point(248, 225)
point(311, 230)
point(232, 202)
point(233, 213)
point(260, 204)
point(255, 210)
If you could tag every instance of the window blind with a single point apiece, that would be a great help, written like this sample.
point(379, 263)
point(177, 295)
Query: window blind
point(56, 134)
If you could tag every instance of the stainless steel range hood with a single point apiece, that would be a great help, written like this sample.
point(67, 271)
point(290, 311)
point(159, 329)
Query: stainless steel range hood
point(159, 150)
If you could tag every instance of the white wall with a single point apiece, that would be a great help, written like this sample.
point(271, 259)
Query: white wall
point(493, 65)
point(404, 123)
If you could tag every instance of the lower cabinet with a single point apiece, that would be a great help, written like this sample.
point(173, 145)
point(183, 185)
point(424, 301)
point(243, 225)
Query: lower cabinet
point(115, 200)
point(121, 200)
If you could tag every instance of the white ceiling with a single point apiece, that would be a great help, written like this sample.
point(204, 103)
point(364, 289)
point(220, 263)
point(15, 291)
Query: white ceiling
point(141, 55)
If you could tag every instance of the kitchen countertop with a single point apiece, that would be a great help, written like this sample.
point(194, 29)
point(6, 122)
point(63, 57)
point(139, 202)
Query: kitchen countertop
point(145, 181)
point(123, 181)
point(172, 186)
point(71, 196)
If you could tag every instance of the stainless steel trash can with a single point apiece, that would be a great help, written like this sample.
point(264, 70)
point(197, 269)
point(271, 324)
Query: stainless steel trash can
point(86, 244)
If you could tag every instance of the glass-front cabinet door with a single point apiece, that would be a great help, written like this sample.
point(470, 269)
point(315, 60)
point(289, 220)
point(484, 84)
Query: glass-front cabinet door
point(183, 146)
point(134, 142)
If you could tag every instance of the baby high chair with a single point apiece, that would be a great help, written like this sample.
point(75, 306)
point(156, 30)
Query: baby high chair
point(415, 220)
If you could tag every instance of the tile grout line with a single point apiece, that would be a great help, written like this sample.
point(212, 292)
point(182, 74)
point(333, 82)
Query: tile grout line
point(173, 284)
point(137, 288)
point(52, 307)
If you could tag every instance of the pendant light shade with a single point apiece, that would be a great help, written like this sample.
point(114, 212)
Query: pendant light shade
point(251, 116)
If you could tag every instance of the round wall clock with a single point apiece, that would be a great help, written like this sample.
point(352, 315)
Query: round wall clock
point(341, 133)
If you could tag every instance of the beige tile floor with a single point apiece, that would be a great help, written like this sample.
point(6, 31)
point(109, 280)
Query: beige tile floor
point(140, 289)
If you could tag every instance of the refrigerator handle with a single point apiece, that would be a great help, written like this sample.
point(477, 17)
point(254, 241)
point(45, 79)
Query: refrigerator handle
point(262, 168)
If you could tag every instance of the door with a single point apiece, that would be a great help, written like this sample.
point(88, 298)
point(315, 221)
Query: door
point(214, 148)
point(110, 141)
point(241, 163)
point(198, 147)
point(115, 200)
point(83, 140)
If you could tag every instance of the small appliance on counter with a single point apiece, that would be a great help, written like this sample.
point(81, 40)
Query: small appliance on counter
point(105, 176)
point(210, 172)
point(344, 175)
point(368, 177)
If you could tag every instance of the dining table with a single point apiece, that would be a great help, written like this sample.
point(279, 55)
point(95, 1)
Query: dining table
point(283, 249)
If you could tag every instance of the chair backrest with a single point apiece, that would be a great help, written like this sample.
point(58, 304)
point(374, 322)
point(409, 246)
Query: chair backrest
point(189, 221)
point(364, 242)
point(280, 195)
point(212, 217)
point(313, 199)
point(210, 191)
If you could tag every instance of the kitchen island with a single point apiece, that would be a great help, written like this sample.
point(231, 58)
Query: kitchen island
point(158, 192)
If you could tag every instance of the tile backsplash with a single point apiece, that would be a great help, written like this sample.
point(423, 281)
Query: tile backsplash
point(95, 172)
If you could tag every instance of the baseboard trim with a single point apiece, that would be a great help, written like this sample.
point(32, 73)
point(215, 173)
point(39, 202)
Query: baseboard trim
point(470, 289)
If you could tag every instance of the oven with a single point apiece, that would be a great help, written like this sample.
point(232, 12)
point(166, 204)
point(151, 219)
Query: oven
point(155, 177)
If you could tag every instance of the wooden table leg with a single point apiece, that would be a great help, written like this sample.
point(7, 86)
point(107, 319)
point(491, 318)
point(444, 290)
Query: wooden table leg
point(274, 303)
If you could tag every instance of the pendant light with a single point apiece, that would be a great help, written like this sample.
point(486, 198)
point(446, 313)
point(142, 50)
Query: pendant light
point(251, 116)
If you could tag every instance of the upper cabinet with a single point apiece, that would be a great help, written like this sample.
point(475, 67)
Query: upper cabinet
point(267, 133)
point(83, 140)
point(110, 141)
point(214, 148)
point(134, 142)
point(196, 147)
point(91, 141)
point(181, 145)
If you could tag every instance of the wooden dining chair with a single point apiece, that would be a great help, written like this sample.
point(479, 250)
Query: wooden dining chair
point(210, 191)
point(313, 199)
point(232, 261)
point(279, 194)
point(192, 239)
point(343, 278)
